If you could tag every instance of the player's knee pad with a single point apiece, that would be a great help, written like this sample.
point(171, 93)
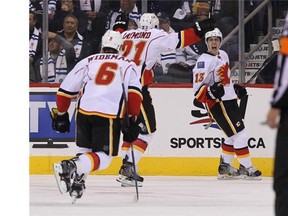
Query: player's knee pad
point(105, 160)
point(229, 141)
point(240, 140)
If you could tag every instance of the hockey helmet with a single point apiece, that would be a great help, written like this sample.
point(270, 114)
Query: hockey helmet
point(112, 39)
point(149, 21)
point(214, 33)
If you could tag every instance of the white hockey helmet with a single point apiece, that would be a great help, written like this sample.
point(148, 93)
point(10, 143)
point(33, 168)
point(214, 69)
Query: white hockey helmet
point(112, 39)
point(214, 33)
point(149, 21)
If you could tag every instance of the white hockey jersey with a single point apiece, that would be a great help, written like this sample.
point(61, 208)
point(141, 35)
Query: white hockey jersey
point(210, 69)
point(143, 47)
point(98, 78)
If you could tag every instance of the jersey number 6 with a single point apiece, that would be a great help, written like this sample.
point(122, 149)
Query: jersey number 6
point(106, 73)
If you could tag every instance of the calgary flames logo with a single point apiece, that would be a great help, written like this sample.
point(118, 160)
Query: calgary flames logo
point(222, 73)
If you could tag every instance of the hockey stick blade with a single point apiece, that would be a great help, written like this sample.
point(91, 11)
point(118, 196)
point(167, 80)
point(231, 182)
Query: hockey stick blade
point(209, 125)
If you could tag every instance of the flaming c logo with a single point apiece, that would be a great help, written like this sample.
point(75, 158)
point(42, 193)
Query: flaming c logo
point(222, 72)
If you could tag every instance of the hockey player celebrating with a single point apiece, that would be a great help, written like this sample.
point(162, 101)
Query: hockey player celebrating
point(104, 83)
point(213, 87)
point(143, 46)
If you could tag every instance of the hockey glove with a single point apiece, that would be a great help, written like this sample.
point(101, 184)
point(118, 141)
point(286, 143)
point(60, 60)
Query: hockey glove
point(60, 123)
point(131, 132)
point(240, 91)
point(203, 26)
point(121, 22)
point(216, 91)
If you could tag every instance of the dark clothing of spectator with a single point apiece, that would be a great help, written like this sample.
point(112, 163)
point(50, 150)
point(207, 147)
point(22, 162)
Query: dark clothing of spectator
point(81, 46)
point(35, 44)
point(132, 14)
point(56, 24)
point(96, 26)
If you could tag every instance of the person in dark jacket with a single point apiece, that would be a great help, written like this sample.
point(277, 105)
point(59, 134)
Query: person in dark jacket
point(277, 117)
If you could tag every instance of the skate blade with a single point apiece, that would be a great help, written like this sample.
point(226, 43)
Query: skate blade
point(73, 201)
point(131, 184)
point(62, 186)
point(227, 177)
point(74, 196)
point(250, 178)
point(128, 183)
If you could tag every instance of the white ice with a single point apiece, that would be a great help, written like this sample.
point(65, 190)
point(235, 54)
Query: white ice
point(159, 196)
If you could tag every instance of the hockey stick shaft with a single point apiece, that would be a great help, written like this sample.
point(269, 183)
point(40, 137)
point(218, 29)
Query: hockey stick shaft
point(127, 121)
point(265, 63)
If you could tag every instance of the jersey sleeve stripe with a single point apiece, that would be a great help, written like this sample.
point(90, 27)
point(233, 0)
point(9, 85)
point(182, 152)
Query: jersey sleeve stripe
point(67, 94)
point(188, 37)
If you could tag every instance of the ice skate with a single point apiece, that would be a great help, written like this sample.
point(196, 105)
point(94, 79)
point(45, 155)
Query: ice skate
point(77, 188)
point(250, 173)
point(227, 172)
point(126, 175)
point(64, 172)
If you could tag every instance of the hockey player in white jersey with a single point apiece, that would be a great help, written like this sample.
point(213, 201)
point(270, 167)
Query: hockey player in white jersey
point(97, 82)
point(213, 87)
point(143, 46)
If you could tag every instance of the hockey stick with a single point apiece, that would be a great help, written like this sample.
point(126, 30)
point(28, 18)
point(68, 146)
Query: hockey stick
point(127, 121)
point(265, 63)
point(244, 99)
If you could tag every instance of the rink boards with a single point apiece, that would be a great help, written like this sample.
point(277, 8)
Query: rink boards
point(181, 145)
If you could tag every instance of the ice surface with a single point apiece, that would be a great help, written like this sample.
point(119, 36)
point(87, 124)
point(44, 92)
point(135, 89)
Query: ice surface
point(160, 196)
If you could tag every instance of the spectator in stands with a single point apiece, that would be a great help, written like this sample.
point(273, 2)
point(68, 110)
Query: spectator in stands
point(164, 22)
point(128, 8)
point(132, 24)
point(96, 13)
point(169, 7)
point(37, 7)
point(70, 33)
point(174, 65)
point(182, 14)
point(61, 59)
point(35, 46)
point(167, 57)
point(68, 7)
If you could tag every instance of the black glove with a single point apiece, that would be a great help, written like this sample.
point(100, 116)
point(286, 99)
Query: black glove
point(60, 123)
point(121, 22)
point(203, 26)
point(240, 91)
point(131, 133)
point(216, 91)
